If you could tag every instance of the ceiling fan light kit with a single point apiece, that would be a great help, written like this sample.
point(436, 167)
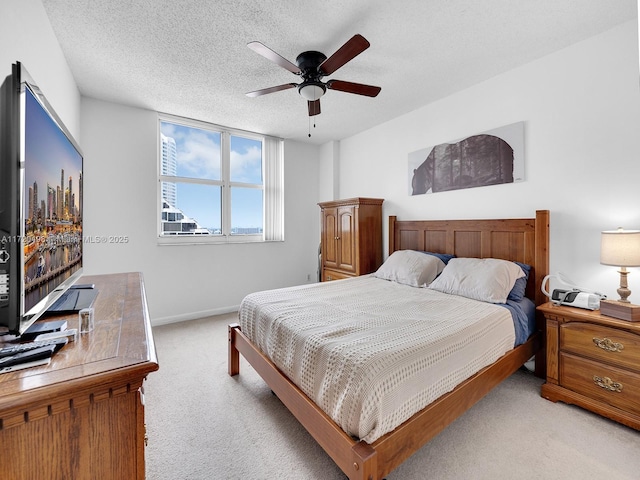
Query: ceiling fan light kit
point(311, 90)
point(312, 66)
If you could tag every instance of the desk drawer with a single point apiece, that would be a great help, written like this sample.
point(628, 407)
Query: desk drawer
point(614, 386)
point(610, 345)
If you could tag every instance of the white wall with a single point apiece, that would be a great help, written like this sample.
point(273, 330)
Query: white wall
point(329, 169)
point(26, 36)
point(581, 108)
point(185, 281)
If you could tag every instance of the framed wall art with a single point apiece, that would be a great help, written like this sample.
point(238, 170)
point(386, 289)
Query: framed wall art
point(489, 158)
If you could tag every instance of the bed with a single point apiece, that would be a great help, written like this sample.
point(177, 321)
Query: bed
point(516, 240)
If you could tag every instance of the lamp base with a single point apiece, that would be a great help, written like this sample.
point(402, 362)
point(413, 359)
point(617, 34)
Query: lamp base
point(623, 311)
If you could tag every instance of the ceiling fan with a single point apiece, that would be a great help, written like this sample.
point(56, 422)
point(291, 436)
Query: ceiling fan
point(312, 66)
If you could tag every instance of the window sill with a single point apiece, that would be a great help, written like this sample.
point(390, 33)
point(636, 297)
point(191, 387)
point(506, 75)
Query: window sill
point(211, 239)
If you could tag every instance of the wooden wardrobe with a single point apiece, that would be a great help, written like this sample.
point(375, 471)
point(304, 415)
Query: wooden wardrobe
point(351, 237)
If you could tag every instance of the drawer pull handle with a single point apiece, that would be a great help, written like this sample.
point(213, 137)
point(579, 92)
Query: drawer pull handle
point(608, 345)
point(607, 384)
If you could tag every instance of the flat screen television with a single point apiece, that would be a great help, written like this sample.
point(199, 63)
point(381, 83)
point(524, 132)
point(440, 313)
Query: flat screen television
point(40, 204)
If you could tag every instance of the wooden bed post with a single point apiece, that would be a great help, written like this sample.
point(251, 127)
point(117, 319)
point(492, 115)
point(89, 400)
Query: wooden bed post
point(234, 355)
point(542, 252)
point(392, 237)
point(542, 270)
point(365, 464)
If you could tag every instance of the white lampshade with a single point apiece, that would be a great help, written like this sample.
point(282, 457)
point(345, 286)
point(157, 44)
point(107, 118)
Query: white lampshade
point(620, 248)
point(311, 91)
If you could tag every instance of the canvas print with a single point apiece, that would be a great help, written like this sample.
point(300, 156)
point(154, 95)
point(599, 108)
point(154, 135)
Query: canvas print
point(489, 158)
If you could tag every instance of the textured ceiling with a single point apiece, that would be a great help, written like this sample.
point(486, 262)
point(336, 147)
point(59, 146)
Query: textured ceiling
point(189, 57)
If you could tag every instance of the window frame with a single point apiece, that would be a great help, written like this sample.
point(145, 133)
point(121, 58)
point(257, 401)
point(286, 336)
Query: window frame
point(270, 183)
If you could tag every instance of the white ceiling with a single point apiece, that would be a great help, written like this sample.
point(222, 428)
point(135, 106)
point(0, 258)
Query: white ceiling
point(189, 57)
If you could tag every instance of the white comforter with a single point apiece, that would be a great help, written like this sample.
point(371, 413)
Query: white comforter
point(370, 352)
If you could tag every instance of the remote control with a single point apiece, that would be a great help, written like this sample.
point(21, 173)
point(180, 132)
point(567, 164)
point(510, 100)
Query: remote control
point(28, 356)
point(11, 350)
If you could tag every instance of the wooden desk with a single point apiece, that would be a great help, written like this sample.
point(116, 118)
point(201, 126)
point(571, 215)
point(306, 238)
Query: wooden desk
point(82, 416)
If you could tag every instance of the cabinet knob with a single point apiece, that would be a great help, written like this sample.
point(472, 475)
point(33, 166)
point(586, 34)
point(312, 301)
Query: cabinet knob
point(337, 238)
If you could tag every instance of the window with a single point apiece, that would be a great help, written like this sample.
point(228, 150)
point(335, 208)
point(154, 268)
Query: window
point(218, 185)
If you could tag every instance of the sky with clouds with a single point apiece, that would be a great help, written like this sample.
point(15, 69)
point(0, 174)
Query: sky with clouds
point(199, 156)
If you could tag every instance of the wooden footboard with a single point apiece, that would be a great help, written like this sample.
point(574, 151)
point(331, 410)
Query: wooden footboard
point(360, 460)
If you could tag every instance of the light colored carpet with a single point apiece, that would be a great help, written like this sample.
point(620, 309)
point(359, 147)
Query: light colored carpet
point(203, 424)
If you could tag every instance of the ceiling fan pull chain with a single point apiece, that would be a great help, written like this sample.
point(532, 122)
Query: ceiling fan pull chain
point(314, 125)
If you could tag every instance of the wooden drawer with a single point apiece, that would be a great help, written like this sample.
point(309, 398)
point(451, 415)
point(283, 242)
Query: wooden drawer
point(610, 345)
point(328, 275)
point(611, 385)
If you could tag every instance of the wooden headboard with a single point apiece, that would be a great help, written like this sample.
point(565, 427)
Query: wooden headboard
point(524, 240)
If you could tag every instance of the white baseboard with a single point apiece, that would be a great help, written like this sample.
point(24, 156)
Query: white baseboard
point(155, 322)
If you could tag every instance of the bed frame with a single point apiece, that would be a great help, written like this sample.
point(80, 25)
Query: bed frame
point(523, 240)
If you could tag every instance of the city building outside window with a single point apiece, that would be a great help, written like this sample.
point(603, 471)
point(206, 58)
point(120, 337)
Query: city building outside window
point(218, 185)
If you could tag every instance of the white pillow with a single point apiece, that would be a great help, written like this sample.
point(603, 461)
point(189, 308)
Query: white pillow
point(484, 279)
point(410, 268)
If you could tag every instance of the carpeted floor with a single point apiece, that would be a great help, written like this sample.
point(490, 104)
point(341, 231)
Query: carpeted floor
point(203, 424)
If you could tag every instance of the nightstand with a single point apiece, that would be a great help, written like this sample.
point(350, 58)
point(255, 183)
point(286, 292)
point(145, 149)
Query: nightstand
point(593, 361)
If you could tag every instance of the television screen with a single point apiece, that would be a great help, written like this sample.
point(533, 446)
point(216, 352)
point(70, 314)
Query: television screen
point(52, 204)
point(40, 204)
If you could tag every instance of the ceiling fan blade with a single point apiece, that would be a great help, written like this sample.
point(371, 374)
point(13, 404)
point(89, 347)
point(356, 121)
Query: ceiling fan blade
point(314, 107)
point(264, 91)
point(350, 87)
point(269, 54)
point(351, 49)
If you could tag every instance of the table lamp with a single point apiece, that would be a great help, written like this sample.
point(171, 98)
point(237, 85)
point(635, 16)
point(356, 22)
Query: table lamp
point(620, 248)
